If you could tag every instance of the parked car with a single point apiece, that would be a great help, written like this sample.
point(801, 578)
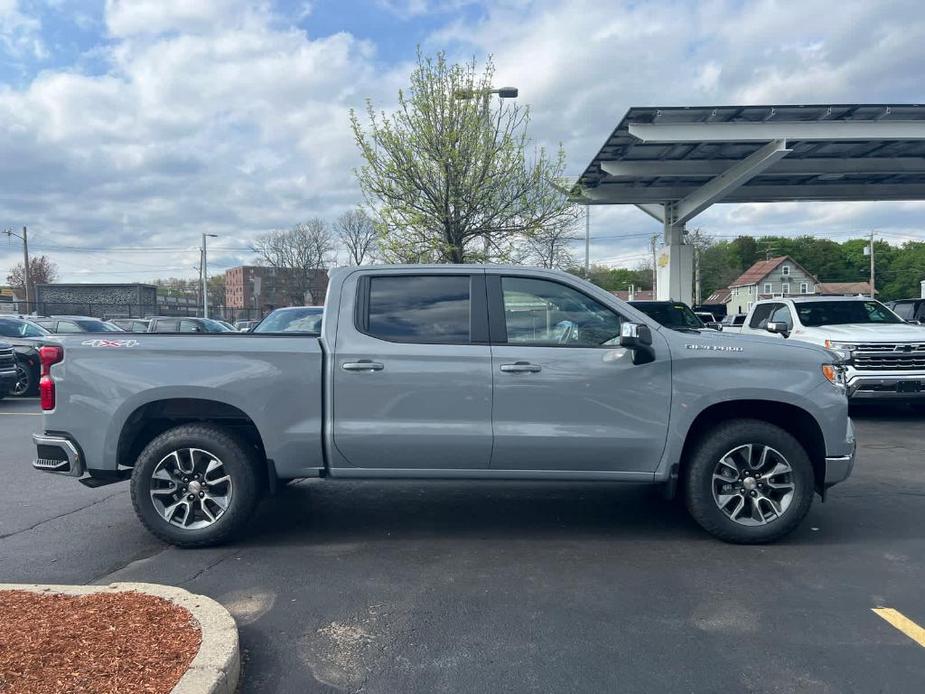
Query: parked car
point(294, 319)
point(174, 324)
point(7, 369)
point(733, 322)
point(228, 325)
point(910, 310)
point(887, 355)
point(76, 324)
point(451, 372)
point(245, 325)
point(672, 314)
point(26, 338)
point(131, 325)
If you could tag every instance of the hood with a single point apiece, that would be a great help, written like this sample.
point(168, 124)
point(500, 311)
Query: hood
point(872, 332)
point(740, 340)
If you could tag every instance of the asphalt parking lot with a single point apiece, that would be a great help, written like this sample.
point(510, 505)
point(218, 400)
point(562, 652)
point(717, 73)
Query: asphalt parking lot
point(513, 587)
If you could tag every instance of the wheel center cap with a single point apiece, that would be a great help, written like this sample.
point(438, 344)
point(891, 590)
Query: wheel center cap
point(749, 483)
point(195, 487)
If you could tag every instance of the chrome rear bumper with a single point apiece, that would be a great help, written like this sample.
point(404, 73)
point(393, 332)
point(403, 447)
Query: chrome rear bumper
point(57, 454)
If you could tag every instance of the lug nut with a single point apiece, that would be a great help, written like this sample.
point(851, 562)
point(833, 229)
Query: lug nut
point(753, 493)
point(201, 494)
point(191, 497)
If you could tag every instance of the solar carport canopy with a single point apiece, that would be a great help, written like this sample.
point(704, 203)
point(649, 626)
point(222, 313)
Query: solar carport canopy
point(680, 160)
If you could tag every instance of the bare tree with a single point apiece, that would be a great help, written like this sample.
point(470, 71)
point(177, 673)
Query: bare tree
point(357, 233)
point(306, 249)
point(551, 247)
point(41, 271)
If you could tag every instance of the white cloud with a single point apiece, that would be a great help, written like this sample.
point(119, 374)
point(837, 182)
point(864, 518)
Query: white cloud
point(20, 33)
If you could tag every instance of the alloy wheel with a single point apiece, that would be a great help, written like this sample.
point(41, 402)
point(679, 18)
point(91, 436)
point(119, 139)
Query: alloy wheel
point(753, 484)
point(190, 488)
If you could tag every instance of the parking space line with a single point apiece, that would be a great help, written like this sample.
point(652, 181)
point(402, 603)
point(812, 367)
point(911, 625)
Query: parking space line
point(900, 621)
point(21, 414)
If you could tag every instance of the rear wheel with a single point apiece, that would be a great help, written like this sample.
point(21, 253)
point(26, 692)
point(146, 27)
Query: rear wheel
point(748, 482)
point(195, 485)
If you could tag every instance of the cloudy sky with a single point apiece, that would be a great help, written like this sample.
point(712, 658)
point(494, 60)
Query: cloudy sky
point(131, 124)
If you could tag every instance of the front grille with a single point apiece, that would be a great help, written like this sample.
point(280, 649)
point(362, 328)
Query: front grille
point(7, 360)
point(890, 357)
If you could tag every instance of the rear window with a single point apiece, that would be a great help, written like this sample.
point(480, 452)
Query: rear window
point(419, 308)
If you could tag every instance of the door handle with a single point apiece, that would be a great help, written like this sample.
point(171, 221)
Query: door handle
point(362, 365)
point(521, 367)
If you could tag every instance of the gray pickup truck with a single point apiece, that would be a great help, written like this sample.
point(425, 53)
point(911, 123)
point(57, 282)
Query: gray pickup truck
point(450, 372)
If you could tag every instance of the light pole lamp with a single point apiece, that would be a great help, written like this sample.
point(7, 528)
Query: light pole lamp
point(205, 275)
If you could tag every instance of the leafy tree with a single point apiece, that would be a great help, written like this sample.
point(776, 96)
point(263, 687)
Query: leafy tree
point(41, 271)
point(357, 234)
point(448, 173)
point(617, 279)
point(306, 248)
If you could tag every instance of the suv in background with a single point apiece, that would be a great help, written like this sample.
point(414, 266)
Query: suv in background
point(885, 355)
point(910, 310)
point(671, 314)
point(76, 324)
point(26, 338)
point(732, 322)
point(175, 324)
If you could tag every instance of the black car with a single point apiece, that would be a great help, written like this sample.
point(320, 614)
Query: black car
point(672, 314)
point(8, 370)
point(174, 324)
point(64, 325)
point(910, 310)
point(26, 337)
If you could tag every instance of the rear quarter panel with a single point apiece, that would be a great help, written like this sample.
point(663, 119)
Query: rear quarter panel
point(274, 380)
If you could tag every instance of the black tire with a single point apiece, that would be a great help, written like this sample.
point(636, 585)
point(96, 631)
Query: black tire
point(699, 482)
point(240, 463)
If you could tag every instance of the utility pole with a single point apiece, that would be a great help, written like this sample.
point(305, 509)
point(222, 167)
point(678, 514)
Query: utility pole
point(587, 241)
point(873, 291)
point(653, 241)
point(26, 276)
point(204, 275)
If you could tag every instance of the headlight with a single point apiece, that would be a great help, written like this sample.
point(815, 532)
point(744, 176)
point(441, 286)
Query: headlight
point(835, 374)
point(845, 349)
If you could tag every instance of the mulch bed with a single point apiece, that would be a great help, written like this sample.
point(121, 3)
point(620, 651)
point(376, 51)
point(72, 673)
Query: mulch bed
point(100, 643)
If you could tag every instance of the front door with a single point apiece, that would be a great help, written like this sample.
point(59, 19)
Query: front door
point(412, 372)
point(566, 395)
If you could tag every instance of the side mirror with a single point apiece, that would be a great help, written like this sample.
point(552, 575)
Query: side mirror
point(637, 338)
point(778, 328)
point(714, 325)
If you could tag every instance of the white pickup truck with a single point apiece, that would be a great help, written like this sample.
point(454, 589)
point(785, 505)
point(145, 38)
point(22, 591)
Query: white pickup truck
point(886, 355)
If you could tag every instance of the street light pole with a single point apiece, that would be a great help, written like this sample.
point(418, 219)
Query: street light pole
point(204, 275)
point(587, 241)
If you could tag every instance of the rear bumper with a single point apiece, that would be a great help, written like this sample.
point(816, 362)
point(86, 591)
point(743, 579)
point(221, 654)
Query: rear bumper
point(58, 454)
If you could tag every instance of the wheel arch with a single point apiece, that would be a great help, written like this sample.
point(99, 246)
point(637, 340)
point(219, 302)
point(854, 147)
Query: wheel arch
point(791, 418)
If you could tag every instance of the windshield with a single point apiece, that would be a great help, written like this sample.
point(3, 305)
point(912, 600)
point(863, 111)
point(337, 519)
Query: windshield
point(674, 316)
point(13, 328)
point(94, 326)
point(293, 320)
point(817, 313)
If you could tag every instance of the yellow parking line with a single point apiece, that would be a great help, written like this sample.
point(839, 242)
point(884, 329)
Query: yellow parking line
point(903, 623)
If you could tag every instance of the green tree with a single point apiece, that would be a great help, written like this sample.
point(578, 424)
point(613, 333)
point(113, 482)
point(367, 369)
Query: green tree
point(448, 174)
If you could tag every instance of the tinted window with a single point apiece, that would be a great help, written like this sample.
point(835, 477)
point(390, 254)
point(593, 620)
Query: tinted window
point(139, 327)
point(189, 326)
point(67, 326)
point(843, 312)
point(544, 313)
point(419, 308)
point(760, 315)
point(674, 316)
point(20, 328)
point(782, 315)
point(905, 310)
point(292, 320)
point(165, 326)
point(95, 326)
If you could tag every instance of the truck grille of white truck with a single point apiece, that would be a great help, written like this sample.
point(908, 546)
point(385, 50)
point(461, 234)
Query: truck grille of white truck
point(890, 357)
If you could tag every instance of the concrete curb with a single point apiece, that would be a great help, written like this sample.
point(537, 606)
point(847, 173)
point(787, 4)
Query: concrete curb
point(217, 665)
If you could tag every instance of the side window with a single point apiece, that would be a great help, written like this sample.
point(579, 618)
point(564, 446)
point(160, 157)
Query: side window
point(189, 326)
point(904, 311)
point(760, 315)
point(419, 308)
point(782, 315)
point(139, 327)
point(66, 327)
point(545, 313)
point(165, 326)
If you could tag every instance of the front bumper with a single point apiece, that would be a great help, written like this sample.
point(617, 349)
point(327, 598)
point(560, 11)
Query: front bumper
point(57, 454)
point(884, 387)
point(838, 468)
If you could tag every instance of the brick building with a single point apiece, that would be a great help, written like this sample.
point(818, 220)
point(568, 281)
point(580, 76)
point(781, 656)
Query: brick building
point(266, 288)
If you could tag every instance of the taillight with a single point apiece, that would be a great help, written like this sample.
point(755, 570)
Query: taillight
point(49, 354)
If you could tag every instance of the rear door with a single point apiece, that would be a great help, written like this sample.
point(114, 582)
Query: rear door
point(566, 395)
point(412, 372)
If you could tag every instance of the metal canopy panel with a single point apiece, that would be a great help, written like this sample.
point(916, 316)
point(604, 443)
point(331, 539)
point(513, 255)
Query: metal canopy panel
point(695, 156)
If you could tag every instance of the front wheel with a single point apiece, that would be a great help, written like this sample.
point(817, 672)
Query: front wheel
point(749, 482)
point(25, 381)
point(195, 485)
